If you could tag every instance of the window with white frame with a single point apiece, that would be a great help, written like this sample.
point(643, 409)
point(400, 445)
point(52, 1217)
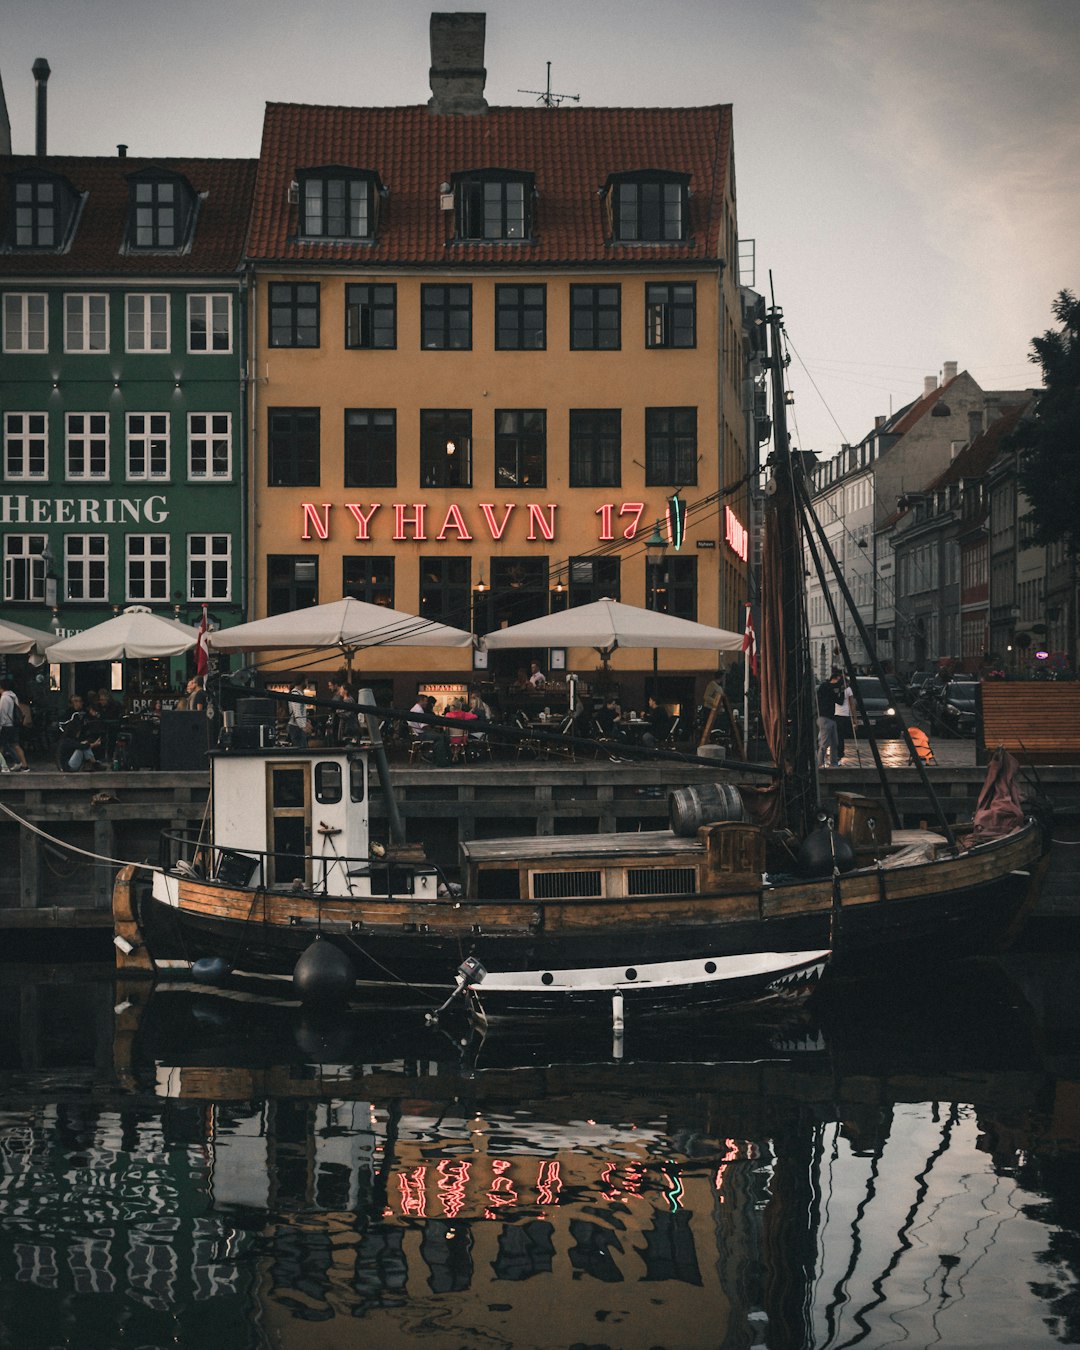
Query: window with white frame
point(26, 446)
point(87, 445)
point(26, 326)
point(86, 567)
point(209, 567)
point(147, 568)
point(147, 446)
point(209, 445)
point(146, 322)
point(24, 567)
point(86, 323)
point(209, 323)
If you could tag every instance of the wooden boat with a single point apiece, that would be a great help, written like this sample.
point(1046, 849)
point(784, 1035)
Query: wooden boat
point(253, 895)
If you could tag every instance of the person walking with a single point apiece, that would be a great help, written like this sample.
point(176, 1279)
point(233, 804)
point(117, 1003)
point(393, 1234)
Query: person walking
point(829, 694)
point(845, 727)
point(298, 724)
point(10, 722)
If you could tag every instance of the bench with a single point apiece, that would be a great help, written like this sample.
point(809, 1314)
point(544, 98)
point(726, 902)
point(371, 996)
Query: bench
point(1037, 721)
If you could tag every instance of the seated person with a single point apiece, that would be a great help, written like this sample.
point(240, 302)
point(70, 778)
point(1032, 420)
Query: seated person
point(79, 737)
point(609, 720)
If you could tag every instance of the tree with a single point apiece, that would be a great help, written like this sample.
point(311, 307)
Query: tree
point(1049, 441)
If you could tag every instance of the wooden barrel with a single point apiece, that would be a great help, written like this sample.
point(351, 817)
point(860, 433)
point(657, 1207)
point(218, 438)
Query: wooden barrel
point(691, 807)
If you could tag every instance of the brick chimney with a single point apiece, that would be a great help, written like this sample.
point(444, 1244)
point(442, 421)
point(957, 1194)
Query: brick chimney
point(457, 72)
point(948, 372)
point(929, 384)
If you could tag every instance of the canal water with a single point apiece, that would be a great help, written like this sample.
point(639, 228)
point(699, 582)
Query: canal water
point(188, 1168)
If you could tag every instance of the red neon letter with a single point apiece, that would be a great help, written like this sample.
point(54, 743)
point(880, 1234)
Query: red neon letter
point(488, 509)
point(537, 521)
point(605, 513)
point(312, 518)
point(416, 520)
point(454, 521)
point(363, 519)
point(631, 509)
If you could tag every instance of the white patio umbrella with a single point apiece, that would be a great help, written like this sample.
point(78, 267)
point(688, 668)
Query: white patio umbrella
point(607, 624)
point(347, 624)
point(134, 635)
point(17, 638)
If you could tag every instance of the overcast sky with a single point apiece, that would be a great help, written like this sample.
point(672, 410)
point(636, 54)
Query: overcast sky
point(907, 168)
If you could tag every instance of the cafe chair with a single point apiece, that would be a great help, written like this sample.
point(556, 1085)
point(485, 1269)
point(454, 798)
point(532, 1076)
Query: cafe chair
point(671, 740)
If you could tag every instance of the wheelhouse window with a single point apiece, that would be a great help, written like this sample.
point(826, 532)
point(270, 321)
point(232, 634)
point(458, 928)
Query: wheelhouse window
point(671, 587)
point(595, 447)
point(446, 318)
point(86, 567)
point(209, 446)
point(445, 447)
point(209, 567)
point(147, 568)
point(494, 205)
point(26, 327)
point(594, 579)
point(337, 203)
point(371, 316)
point(445, 590)
point(41, 210)
point(161, 211)
point(147, 446)
point(595, 318)
point(520, 318)
point(146, 322)
point(670, 447)
point(370, 579)
point(26, 446)
point(24, 568)
point(370, 447)
point(648, 207)
point(292, 582)
point(520, 447)
point(209, 323)
point(86, 323)
point(293, 444)
point(670, 315)
point(294, 314)
point(87, 446)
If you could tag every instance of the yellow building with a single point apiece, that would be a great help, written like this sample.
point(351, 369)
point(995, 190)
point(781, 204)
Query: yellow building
point(491, 344)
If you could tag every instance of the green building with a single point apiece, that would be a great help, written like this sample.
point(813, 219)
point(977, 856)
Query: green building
point(122, 387)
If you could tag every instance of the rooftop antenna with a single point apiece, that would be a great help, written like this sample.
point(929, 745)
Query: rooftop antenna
point(546, 97)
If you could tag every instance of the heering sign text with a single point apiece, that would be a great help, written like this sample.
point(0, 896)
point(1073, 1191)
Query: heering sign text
point(15, 510)
point(412, 522)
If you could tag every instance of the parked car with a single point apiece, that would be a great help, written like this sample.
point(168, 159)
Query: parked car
point(897, 692)
point(883, 719)
point(958, 705)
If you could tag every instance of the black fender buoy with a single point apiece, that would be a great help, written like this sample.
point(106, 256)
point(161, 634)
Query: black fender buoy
point(210, 970)
point(323, 973)
point(821, 850)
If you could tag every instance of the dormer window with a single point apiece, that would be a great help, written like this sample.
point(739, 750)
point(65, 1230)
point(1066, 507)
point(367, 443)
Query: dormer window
point(42, 208)
point(337, 203)
point(494, 204)
point(650, 206)
point(161, 211)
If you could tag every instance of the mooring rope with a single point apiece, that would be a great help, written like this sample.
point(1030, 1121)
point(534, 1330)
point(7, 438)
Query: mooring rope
point(73, 848)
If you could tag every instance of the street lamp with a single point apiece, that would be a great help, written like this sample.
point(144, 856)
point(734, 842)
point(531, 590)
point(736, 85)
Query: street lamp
point(655, 553)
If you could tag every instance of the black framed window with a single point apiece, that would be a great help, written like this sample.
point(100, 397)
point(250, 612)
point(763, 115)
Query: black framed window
point(37, 213)
point(670, 447)
point(494, 205)
point(671, 315)
point(445, 447)
point(293, 447)
point(161, 210)
point(292, 582)
point(519, 591)
point(520, 318)
point(595, 447)
point(594, 579)
point(595, 318)
point(520, 447)
point(371, 316)
point(649, 207)
point(370, 447)
point(370, 579)
point(445, 591)
point(446, 318)
point(294, 314)
point(337, 204)
point(671, 587)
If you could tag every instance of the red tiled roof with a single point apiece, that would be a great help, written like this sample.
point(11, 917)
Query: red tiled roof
point(974, 460)
point(914, 412)
point(220, 228)
point(570, 151)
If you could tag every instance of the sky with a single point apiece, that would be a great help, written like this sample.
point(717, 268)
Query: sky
point(907, 169)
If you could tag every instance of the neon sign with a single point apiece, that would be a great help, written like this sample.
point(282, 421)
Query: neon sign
point(736, 535)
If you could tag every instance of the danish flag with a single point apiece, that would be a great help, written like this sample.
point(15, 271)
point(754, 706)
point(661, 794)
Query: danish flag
point(749, 641)
point(201, 658)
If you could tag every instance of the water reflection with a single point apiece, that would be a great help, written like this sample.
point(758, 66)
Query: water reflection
point(197, 1169)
